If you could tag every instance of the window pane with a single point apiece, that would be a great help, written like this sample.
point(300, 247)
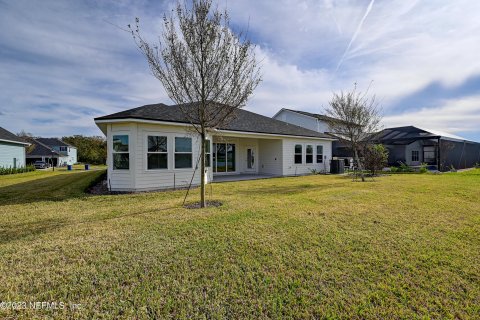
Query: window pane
point(309, 158)
point(183, 160)
point(207, 160)
point(183, 144)
point(120, 143)
point(319, 149)
point(319, 158)
point(207, 146)
point(298, 148)
point(121, 161)
point(309, 149)
point(230, 157)
point(221, 158)
point(298, 158)
point(157, 161)
point(157, 144)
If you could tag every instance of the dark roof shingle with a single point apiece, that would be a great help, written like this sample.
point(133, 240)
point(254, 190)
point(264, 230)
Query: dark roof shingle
point(8, 136)
point(243, 120)
point(53, 142)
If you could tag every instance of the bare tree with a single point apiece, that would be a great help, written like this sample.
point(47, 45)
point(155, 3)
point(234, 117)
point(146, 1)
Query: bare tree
point(204, 67)
point(354, 117)
point(24, 134)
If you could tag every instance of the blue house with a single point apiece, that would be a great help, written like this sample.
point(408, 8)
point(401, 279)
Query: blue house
point(12, 150)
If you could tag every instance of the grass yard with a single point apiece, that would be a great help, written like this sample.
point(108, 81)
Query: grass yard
point(404, 246)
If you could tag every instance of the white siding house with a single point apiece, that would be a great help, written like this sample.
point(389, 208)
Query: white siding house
point(152, 147)
point(303, 119)
point(12, 150)
point(52, 150)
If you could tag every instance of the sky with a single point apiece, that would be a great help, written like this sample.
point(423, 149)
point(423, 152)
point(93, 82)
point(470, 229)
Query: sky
point(63, 63)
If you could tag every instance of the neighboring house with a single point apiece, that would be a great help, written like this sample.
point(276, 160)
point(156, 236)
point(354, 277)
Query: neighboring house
point(414, 146)
point(12, 150)
point(51, 150)
point(154, 147)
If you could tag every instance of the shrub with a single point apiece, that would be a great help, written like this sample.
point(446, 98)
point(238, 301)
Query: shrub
point(423, 168)
point(405, 167)
point(394, 169)
point(10, 170)
point(375, 157)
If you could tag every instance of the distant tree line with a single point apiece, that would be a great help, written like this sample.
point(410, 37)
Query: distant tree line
point(91, 150)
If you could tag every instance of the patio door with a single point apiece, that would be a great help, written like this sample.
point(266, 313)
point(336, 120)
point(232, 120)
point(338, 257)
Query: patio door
point(251, 159)
point(224, 158)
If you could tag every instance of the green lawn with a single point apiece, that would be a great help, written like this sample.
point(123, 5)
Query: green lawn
point(404, 246)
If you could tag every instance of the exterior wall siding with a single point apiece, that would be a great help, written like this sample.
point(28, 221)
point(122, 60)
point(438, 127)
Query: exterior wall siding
point(271, 156)
point(139, 177)
point(9, 152)
point(289, 165)
point(298, 119)
point(414, 146)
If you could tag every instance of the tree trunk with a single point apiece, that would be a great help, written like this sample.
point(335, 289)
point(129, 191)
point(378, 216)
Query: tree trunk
point(202, 171)
point(359, 164)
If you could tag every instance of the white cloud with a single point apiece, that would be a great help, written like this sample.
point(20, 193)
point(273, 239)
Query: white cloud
point(65, 53)
point(460, 115)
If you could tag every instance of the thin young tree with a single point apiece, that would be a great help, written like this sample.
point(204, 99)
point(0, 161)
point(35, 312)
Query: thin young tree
point(354, 117)
point(204, 67)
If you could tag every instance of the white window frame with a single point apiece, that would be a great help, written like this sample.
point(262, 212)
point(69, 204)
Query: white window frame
point(321, 154)
point(152, 134)
point(181, 152)
point(208, 154)
point(417, 155)
point(307, 154)
point(121, 152)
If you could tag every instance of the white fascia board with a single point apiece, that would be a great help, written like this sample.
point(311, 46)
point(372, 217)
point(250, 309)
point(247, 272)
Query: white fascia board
point(15, 142)
point(270, 135)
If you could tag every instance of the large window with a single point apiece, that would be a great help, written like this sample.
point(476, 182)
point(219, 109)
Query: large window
point(224, 157)
point(415, 155)
point(121, 157)
point(208, 154)
point(183, 152)
point(298, 153)
point(319, 154)
point(309, 154)
point(157, 153)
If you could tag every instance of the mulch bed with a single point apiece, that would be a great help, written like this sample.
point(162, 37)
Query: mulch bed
point(196, 205)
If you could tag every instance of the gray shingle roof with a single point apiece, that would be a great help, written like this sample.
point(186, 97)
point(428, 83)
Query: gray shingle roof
point(244, 121)
point(38, 148)
point(8, 136)
point(53, 142)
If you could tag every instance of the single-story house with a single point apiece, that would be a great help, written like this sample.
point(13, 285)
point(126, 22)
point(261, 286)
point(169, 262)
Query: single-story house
point(154, 147)
point(440, 150)
point(51, 150)
point(12, 150)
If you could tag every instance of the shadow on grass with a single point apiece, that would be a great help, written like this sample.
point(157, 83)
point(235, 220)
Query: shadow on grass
point(22, 230)
point(52, 188)
point(280, 189)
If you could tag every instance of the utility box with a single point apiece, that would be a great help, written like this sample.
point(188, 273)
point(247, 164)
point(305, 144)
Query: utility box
point(337, 166)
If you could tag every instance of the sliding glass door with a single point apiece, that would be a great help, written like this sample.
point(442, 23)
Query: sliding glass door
point(223, 157)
